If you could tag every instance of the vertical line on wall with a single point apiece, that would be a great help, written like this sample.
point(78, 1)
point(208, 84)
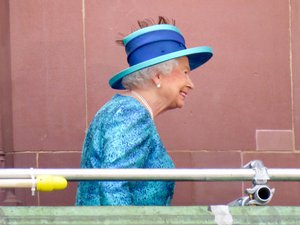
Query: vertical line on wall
point(84, 63)
point(291, 74)
point(242, 159)
point(37, 166)
point(45, 45)
point(37, 160)
point(242, 164)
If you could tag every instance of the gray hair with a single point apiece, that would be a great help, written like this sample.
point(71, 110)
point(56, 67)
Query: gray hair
point(139, 78)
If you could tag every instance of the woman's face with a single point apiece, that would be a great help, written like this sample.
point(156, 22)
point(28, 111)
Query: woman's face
point(176, 85)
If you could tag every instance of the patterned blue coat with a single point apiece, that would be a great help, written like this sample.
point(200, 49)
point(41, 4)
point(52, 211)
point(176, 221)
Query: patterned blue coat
point(123, 135)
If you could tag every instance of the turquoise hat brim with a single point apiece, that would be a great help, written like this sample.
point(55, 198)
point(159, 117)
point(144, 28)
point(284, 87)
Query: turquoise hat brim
point(197, 56)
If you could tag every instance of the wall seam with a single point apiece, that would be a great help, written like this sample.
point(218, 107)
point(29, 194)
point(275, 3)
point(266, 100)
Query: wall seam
point(242, 164)
point(84, 64)
point(291, 76)
point(37, 165)
point(234, 151)
point(47, 151)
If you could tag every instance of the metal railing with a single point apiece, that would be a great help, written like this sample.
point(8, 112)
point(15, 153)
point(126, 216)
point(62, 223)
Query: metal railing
point(56, 179)
point(243, 174)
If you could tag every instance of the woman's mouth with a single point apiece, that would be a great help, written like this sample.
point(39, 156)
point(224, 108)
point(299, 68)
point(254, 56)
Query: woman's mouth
point(183, 94)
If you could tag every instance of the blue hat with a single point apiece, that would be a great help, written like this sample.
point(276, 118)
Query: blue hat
point(155, 44)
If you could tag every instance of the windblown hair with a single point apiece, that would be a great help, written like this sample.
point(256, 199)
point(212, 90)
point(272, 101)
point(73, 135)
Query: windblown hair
point(138, 79)
point(146, 23)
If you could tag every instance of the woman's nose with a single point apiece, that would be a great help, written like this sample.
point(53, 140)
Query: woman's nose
point(190, 83)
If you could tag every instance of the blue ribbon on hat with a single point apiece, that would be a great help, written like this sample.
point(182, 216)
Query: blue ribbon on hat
point(153, 44)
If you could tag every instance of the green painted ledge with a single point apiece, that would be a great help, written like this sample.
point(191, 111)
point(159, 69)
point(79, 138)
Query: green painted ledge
point(149, 215)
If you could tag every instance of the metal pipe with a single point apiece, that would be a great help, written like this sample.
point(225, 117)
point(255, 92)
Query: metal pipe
point(16, 183)
point(136, 174)
point(153, 174)
point(263, 194)
point(281, 174)
point(257, 195)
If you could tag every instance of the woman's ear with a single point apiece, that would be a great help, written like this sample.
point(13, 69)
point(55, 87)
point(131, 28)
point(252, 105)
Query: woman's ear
point(157, 80)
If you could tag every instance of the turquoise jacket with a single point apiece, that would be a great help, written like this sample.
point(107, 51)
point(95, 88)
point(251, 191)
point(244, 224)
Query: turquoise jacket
point(123, 135)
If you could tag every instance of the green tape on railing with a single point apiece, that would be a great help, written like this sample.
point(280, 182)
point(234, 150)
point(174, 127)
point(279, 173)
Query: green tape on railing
point(148, 215)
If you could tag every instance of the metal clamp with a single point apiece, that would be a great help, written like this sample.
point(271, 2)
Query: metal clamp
point(260, 193)
point(33, 184)
point(261, 173)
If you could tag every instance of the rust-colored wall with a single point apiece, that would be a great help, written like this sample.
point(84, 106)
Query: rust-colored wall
point(5, 78)
point(245, 105)
point(6, 132)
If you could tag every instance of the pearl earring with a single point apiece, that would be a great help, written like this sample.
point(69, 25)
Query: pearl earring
point(158, 85)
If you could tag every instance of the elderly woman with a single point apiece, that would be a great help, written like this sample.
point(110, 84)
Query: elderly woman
point(122, 133)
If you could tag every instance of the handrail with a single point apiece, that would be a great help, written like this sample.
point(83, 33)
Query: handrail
point(243, 174)
point(56, 179)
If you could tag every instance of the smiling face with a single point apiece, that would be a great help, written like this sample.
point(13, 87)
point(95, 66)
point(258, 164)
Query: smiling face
point(176, 85)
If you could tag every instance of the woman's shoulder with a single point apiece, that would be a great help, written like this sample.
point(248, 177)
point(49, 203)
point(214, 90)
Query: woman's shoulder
point(122, 105)
point(121, 108)
point(121, 101)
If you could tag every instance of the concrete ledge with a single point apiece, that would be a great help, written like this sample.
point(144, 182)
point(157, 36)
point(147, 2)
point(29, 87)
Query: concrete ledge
point(150, 215)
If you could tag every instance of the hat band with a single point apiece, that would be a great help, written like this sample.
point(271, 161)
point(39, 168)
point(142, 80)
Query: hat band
point(153, 44)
